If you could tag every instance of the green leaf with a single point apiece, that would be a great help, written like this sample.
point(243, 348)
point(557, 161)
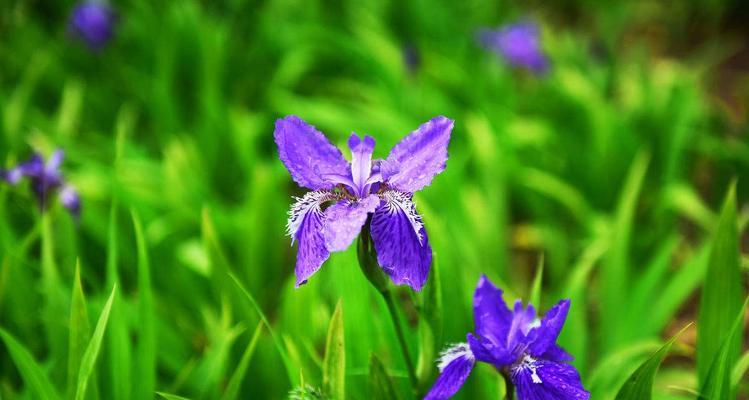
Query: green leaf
point(334, 364)
point(380, 384)
point(92, 351)
point(168, 396)
point(80, 331)
point(718, 385)
point(615, 281)
point(535, 298)
point(145, 361)
point(740, 369)
point(232, 389)
point(430, 326)
point(639, 386)
point(119, 347)
point(722, 291)
point(276, 341)
point(33, 375)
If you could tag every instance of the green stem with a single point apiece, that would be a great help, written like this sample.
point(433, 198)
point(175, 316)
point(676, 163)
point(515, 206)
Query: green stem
point(390, 301)
point(509, 387)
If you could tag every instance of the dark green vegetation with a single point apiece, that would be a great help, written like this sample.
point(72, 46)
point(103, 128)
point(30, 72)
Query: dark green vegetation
point(617, 167)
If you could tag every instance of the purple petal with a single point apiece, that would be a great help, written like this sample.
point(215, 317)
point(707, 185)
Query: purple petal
point(547, 380)
point(557, 354)
point(305, 225)
point(361, 161)
point(489, 352)
point(93, 22)
point(519, 44)
point(34, 167)
point(307, 154)
point(344, 220)
point(455, 364)
point(70, 200)
point(545, 335)
point(522, 318)
point(12, 175)
point(419, 157)
point(490, 313)
point(402, 246)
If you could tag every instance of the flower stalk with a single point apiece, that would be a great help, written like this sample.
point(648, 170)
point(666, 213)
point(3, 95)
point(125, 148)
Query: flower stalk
point(371, 269)
point(509, 386)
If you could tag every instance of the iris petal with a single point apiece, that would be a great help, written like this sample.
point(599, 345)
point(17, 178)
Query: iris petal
point(419, 157)
point(456, 363)
point(547, 380)
point(402, 246)
point(307, 154)
point(344, 220)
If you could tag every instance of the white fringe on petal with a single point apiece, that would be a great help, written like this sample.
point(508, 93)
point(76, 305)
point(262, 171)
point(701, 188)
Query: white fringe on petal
point(399, 201)
point(310, 202)
point(453, 353)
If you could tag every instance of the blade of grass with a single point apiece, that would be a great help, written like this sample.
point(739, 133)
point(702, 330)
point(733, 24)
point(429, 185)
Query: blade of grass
point(92, 351)
point(718, 383)
point(168, 396)
point(232, 389)
point(145, 362)
point(722, 291)
point(535, 297)
point(639, 386)
point(80, 331)
point(118, 340)
point(614, 276)
point(32, 374)
point(334, 363)
point(379, 383)
point(276, 341)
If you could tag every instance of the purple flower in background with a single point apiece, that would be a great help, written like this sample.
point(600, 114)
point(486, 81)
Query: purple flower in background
point(519, 44)
point(46, 180)
point(346, 195)
point(93, 22)
point(519, 344)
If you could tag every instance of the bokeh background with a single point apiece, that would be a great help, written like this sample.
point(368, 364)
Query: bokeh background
point(609, 169)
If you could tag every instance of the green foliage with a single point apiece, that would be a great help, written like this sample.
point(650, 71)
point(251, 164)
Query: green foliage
point(610, 166)
point(718, 383)
point(639, 386)
point(334, 363)
point(722, 294)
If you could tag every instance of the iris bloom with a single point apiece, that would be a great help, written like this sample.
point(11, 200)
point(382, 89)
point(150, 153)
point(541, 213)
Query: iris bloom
point(46, 180)
point(519, 344)
point(93, 22)
point(519, 44)
point(346, 195)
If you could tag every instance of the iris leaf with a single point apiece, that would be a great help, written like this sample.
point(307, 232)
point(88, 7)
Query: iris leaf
point(639, 386)
point(92, 350)
point(33, 375)
point(232, 389)
point(145, 372)
point(718, 383)
point(334, 364)
point(721, 293)
point(380, 384)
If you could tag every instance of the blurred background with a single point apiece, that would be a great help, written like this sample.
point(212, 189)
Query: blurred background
point(608, 167)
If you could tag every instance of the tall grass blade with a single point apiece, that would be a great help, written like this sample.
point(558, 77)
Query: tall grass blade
point(32, 374)
point(334, 363)
point(718, 384)
point(92, 351)
point(639, 386)
point(232, 389)
point(722, 291)
point(80, 331)
point(145, 361)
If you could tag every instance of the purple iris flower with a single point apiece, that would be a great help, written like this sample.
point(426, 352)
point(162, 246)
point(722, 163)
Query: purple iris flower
point(93, 22)
point(46, 180)
point(347, 195)
point(519, 344)
point(519, 44)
